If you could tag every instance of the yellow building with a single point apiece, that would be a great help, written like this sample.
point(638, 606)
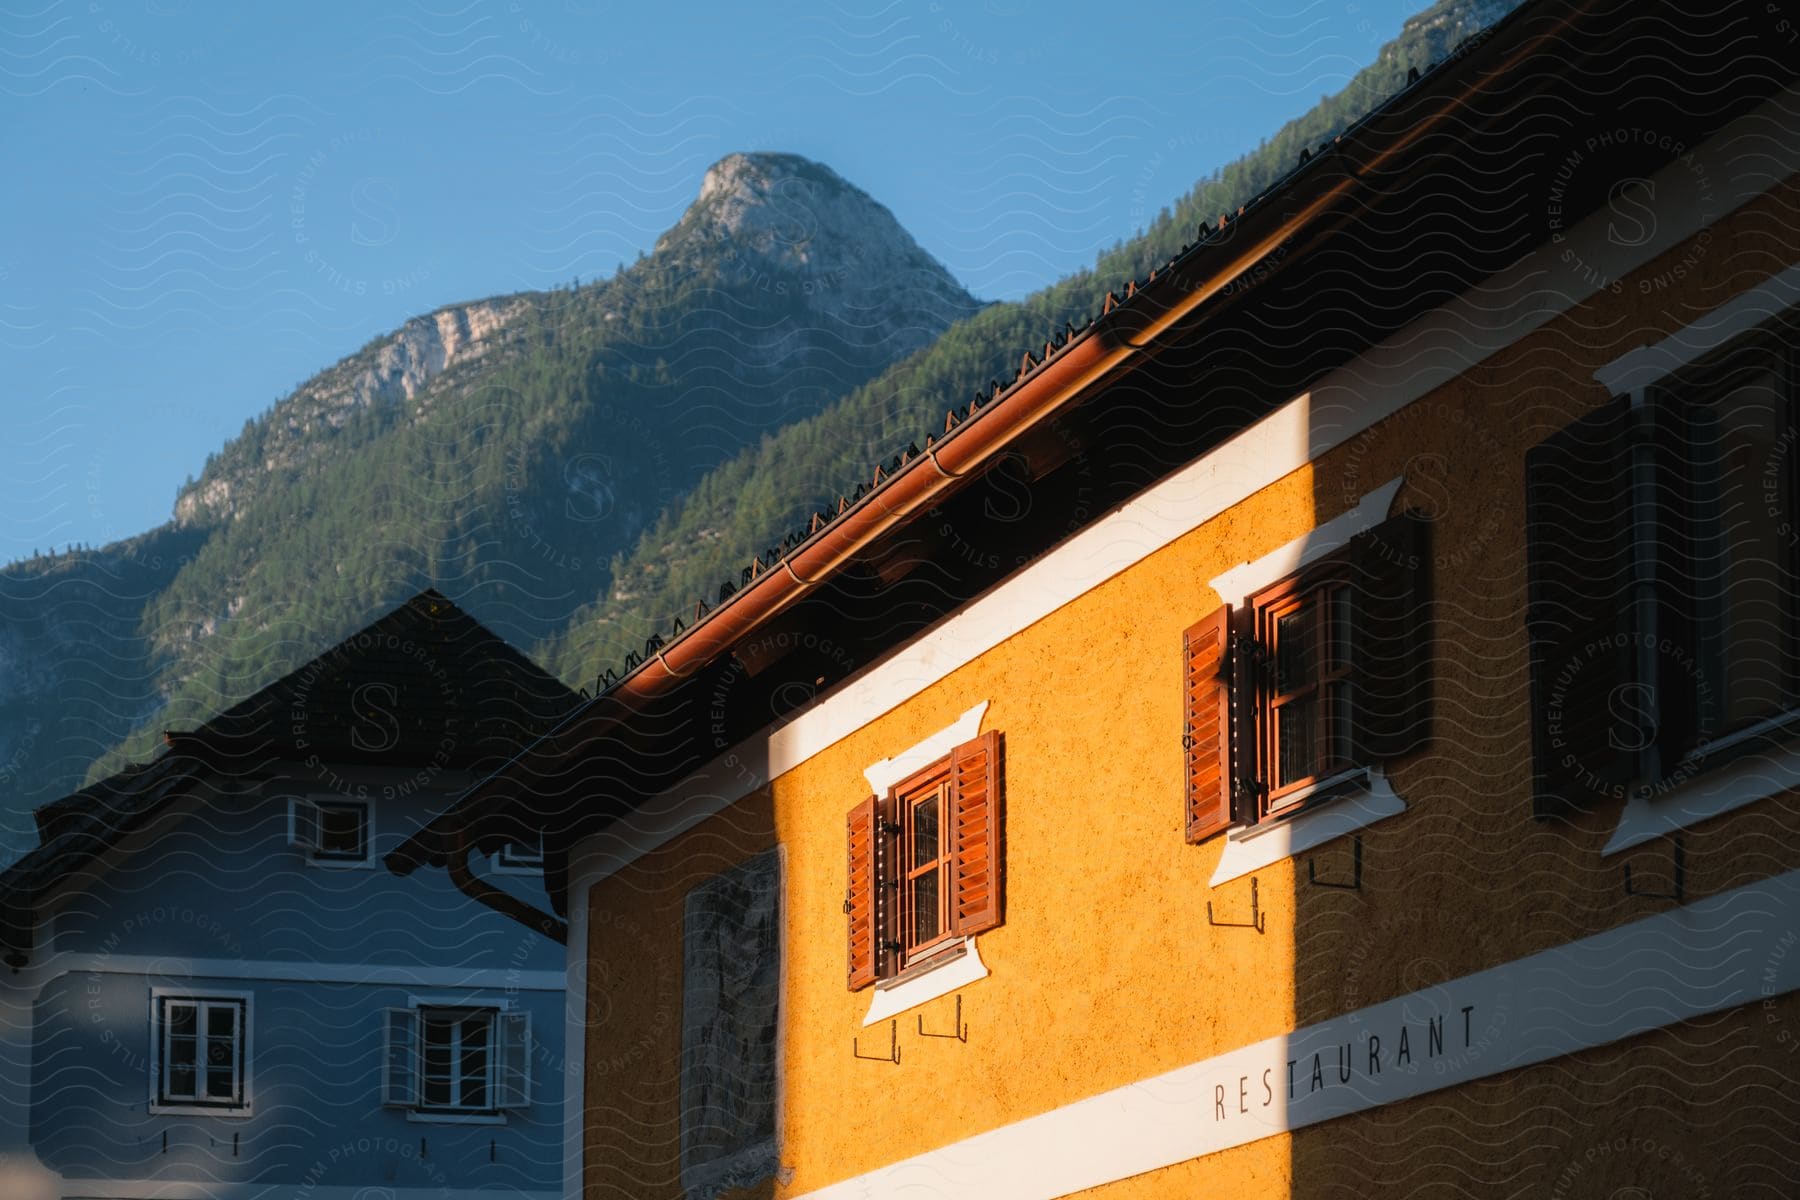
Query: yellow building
point(1324, 729)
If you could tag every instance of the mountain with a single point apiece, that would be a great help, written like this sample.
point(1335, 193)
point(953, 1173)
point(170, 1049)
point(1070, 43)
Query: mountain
point(503, 450)
point(749, 503)
point(572, 467)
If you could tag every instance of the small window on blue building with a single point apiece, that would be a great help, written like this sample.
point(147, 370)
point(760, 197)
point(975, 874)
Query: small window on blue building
point(464, 1059)
point(334, 830)
point(523, 855)
point(201, 1046)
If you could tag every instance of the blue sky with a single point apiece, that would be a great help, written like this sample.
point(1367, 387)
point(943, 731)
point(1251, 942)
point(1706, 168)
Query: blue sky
point(208, 202)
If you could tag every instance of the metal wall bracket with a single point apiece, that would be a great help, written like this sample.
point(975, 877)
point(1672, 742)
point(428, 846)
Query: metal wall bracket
point(960, 1031)
point(1257, 921)
point(1680, 870)
point(893, 1054)
point(1355, 884)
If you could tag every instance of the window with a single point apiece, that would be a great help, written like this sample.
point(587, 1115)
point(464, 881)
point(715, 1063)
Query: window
point(200, 1052)
point(1293, 695)
point(1664, 619)
point(331, 830)
point(457, 1060)
point(521, 856)
point(925, 863)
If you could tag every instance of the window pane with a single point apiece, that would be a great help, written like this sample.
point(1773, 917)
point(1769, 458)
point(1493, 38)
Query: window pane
point(1338, 652)
point(181, 1082)
point(925, 832)
point(181, 1020)
point(1337, 728)
point(1751, 584)
point(475, 1060)
point(1296, 725)
point(218, 1083)
point(1296, 635)
point(925, 907)
point(341, 828)
point(221, 1020)
point(183, 1051)
point(438, 1032)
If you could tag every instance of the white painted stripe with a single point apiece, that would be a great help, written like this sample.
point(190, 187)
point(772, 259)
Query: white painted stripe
point(168, 1189)
point(1715, 954)
point(294, 972)
point(1241, 582)
point(1647, 365)
point(1430, 352)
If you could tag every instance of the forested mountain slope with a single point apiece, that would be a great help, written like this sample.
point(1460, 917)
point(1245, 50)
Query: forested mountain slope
point(573, 467)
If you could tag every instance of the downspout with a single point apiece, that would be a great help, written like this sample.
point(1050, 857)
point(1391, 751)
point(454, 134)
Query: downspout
point(502, 902)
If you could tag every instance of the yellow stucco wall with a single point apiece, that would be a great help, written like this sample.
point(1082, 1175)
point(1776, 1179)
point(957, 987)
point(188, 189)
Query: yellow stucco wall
point(1106, 971)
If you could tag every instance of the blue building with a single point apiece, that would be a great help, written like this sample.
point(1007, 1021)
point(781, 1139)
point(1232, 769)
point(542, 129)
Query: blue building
point(212, 989)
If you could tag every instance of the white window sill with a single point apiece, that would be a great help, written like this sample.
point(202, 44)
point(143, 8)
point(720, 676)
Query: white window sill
point(450, 1118)
point(1749, 779)
point(1252, 847)
point(941, 980)
point(197, 1110)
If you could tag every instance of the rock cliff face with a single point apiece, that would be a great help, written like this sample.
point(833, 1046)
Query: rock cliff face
point(382, 376)
point(798, 229)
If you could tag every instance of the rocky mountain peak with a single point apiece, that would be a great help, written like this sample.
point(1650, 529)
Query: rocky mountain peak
point(788, 214)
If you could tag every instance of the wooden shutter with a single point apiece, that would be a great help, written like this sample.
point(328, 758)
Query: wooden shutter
point(1244, 664)
point(514, 1030)
point(861, 901)
point(303, 823)
point(400, 1057)
point(1586, 712)
point(1206, 733)
point(1390, 641)
point(975, 835)
point(1674, 575)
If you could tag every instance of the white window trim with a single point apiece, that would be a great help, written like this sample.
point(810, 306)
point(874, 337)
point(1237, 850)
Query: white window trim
point(1709, 794)
point(929, 984)
point(1252, 847)
point(367, 862)
point(157, 1107)
point(951, 971)
point(1648, 365)
point(497, 1005)
point(498, 865)
point(1237, 585)
point(889, 771)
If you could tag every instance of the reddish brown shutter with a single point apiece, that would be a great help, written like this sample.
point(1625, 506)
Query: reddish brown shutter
point(1585, 705)
point(860, 894)
point(975, 858)
point(1207, 731)
point(1390, 641)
